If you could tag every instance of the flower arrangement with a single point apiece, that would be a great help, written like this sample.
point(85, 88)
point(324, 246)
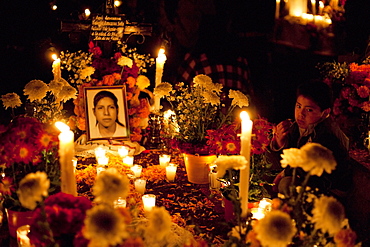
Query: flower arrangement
point(126, 67)
point(198, 108)
point(225, 141)
point(44, 101)
point(304, 217)
point(351, 86)
point(27, 146)
point(76, 221)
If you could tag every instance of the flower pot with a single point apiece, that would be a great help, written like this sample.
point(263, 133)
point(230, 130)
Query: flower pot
point(197, 167)
point(17, 219)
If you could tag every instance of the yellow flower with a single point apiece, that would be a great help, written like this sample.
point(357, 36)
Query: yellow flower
point(104, 226)
point(110, 185)
point(56, 85)
point(211, 98)
point(87, 72)
point(32, 188)
point(328, 215)
point(225, 162)
point(11, 100)
point(159, 223)
point(276, 229)
point(67, 92)
point(163, 89)
point(36, 90)
point(202, 81)
point(125, 61)
point(142, 82)
point(239, 98)
point(312, 157)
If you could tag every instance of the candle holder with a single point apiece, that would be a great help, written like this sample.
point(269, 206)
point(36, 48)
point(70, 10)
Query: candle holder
point(154, 140)
point(149, 202)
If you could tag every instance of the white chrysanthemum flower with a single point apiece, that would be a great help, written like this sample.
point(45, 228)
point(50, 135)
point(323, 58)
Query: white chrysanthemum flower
point(11, 100)
point(87, 72)
point(292, 157)
point(32, 188)
point(312, 157)
point(328, 215)
point(67, 92)
point(202, 81)
point(110, 185)
point(239, 99)
point(159, 223)
point(211, 98)
point(104, 226)
point(318, 159)
point(276, 229)
point(36, 90)
point(142, 82)
point(225, 162)
point(163, 89)
point(125, 61)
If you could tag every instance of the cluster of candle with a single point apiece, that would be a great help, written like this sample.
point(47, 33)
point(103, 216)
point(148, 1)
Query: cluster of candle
point(164, 162)
point(298, 8)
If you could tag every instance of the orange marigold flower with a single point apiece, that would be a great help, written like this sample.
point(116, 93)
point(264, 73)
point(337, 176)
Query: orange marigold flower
point(44, 140)
point(23, 153)
point(131, 81)
point(366, 106)
point(133, 242)
point(345, 238)
point(81, 123)
point(363, 91)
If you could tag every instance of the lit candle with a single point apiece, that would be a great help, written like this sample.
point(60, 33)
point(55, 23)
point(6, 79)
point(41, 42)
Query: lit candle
point(22, 238)
point(171, 172)
point(56, 67)
point(297, 7)
point(258, 213)
point(140, 185)
point(313, 6)
point(277, 9)
point(103, 160)
point(66, 155)
point(245, 149)
point(123, 151)
point(120, 203)
point(160, 60)
point(74, 160)
point(136, 169)
point(99, 152)
point(149, 202)
point(321, 7)
point(164, 160)
point(128, 160)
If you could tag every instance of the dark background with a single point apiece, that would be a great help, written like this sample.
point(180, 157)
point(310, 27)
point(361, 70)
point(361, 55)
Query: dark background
point(30, 31)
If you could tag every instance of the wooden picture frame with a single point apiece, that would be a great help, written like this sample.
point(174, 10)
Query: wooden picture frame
point(106, 113)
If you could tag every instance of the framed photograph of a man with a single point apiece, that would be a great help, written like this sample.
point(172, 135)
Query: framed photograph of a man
point(106, 113)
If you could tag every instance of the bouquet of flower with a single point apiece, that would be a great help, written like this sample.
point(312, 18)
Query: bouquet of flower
point(27, 146)
point(351, 86)
point(198, 108)
point(126, 67)
point(225, 141)
point(304, 217)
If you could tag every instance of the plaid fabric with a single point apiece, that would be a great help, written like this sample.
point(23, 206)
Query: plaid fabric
point(233, 76)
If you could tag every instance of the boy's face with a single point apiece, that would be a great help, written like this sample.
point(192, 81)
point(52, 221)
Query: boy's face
point(307, 112)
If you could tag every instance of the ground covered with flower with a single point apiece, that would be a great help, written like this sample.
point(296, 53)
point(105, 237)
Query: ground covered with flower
point(192, 206)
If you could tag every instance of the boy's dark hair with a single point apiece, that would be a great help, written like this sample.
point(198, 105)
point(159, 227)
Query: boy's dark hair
point(317, 91)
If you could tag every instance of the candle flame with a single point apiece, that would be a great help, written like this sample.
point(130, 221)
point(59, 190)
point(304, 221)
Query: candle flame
point(54, 56)
point(62, 126)
point(87, 13)
point(244, 116)
point(161, 51)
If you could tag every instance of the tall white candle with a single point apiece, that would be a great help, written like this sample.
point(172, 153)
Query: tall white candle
point(159, 61)
point(245, 150)
point(56, 68)
point(66, 155)
point(277, 9)
point(313, 6)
